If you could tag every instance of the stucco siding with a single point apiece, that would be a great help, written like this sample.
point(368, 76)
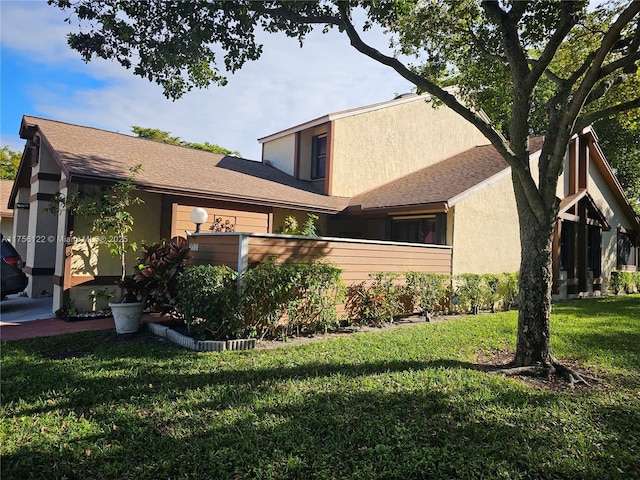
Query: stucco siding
point(486, 236)
point(373, 148)
point(612, 210)
point(91, 257)
point(281, 153)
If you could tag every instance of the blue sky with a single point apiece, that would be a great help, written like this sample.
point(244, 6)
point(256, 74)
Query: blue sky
point(42, 76)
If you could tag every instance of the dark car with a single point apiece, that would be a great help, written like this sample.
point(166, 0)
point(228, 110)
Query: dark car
point(13, 278)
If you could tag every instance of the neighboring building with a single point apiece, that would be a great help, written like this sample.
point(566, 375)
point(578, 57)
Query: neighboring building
point(6, 213)
point(399, 171)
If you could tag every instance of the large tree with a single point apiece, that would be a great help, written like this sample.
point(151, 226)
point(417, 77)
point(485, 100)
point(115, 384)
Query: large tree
point(9, 163)
point(166, 137)
point(486, 45)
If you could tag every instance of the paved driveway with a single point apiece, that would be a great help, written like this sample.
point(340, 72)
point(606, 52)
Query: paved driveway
point(23, 309)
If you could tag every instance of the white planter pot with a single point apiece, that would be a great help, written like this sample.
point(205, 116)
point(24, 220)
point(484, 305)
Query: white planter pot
point(127, 316)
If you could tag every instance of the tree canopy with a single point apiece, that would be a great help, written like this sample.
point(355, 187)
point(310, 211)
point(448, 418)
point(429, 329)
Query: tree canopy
point(166, 137)
point(9, 163)
point(544, 67)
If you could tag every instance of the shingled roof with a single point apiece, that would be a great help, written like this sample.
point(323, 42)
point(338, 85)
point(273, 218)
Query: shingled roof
point(439, 184)
point(5, 191)
point(86, 154)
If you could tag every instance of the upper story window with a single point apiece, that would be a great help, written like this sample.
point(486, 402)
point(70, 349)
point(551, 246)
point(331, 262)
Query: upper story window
point(318, 156)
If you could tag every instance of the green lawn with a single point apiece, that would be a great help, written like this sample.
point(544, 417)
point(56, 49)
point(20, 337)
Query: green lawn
point(398, 404)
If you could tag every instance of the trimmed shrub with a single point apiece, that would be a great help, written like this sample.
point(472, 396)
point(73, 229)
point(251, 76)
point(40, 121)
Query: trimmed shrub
point(508, 290)
point(277, 296)
point(320, 290)
point(157, 271)
point(431, 291)
point(622, 282)
point(378, 302)
point(471, 290)
point(208, 299)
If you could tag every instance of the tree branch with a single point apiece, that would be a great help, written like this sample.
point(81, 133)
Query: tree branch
point(554, 78)
point(567, 22)
point(593, 72)
point(624, 62)
point(603, 87)
point(519, 165)
point(515, 53)
point(604, 113)
point(295, 17)
point(483, 51)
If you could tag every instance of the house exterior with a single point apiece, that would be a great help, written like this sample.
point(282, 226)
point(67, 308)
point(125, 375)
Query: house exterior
point(6, 214)
point(380, 178)
point(597, 230)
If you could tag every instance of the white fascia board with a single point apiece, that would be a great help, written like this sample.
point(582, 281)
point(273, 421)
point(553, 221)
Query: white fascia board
point(338, 115)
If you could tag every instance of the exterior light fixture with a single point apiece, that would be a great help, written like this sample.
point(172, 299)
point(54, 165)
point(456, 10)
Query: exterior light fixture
point(198, 216)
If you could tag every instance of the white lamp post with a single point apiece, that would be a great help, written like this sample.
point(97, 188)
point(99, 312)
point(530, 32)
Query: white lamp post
point(198, 216)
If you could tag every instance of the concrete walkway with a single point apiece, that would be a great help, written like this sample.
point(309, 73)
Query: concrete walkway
point(23, 317)
point(50, 326)
point(24, 309)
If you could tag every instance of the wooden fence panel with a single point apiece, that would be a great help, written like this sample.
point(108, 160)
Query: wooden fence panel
point(356, 258)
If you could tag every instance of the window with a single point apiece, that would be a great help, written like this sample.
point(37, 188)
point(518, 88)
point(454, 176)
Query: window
point(627, 246)
point(567, 238)
point(594, 250)
point(318, 156)
point(431, 229)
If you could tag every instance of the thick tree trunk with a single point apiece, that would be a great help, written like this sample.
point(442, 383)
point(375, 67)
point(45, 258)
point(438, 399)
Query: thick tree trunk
point(536, 278)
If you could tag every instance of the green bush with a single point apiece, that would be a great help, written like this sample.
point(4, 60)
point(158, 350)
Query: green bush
point(508, 290)
point(320, 290)
point(279, 296)
point(623, 282)
point(157, 271)
point(430, 291)
point(377, 303)
point(471, 290)
point(636, 279)
point(474, 292)
point(208, 299)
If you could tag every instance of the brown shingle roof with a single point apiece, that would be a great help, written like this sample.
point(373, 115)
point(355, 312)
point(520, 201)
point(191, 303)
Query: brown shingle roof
point(87, 153)
point(5, 192)
point(439, 183)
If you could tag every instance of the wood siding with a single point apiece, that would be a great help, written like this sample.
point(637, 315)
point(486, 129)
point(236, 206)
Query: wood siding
point(215, 250)
point(243, 221)
point(356, 258)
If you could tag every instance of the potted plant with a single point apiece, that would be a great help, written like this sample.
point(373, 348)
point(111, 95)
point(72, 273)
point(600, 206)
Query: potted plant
point(153, 285)
point(112, 222)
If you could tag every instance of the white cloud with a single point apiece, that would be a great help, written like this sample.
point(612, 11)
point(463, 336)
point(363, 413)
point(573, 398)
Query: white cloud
point(287, 86)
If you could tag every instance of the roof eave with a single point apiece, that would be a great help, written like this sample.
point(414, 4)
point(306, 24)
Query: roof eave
point(432, 207)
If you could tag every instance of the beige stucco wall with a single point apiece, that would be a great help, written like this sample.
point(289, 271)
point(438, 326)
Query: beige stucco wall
point(373, 148)
point(612, 210)
point(281, 153)
point(486, 236)
point(92, 256)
